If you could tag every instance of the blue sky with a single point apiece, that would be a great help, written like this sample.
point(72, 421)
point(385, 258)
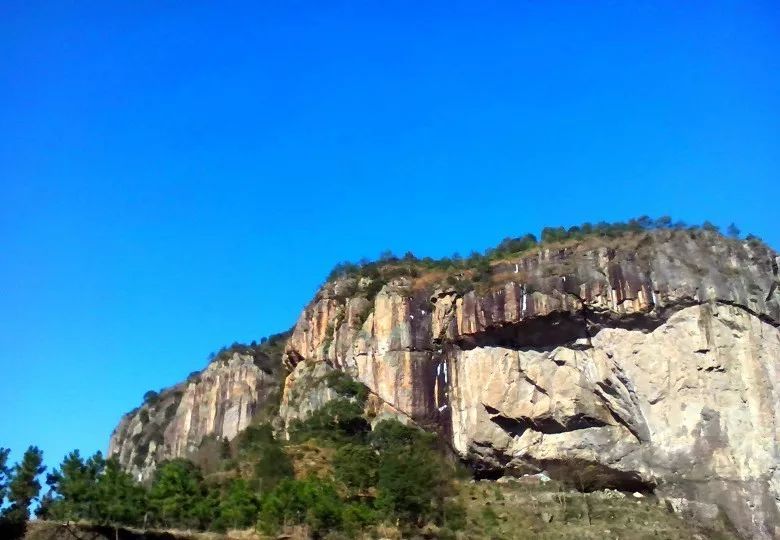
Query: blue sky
point(178, 176)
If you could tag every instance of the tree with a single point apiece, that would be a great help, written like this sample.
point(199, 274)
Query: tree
point(390, 435)
point(73, 488)
point(733, 231)
point(645, 222)
point(387, 256)
point(355, 465)
point(4, 473)
point(312, 501)
point(119, 500)
point(177, 496)
point(24, 486)
point(238, 506)
point(707, 226)
point(407, 483)
point(412, 479)
point(271, 464)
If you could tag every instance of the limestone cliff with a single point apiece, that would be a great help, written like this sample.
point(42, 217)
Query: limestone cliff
point(218, 402)
point(653, 357)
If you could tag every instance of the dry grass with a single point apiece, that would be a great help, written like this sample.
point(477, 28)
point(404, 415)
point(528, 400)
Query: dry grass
point(309, 459)
point(429, 279)
point(520, 510)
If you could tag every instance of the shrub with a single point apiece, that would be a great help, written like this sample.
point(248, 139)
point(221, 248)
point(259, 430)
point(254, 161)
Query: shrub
point(170, 411)
point(346, 386)
point(339, 420)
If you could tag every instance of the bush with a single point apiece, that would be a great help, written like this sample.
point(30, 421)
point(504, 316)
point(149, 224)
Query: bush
point(407, 484)
point(392, 435)
point(339, 420)
point(346, 386)
point(356, 517)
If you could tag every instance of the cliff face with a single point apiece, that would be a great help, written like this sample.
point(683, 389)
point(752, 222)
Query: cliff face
point(650, 361)
point(219, 402)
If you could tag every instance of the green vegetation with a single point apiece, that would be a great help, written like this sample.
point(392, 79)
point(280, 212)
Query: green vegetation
point(4, 473)
point(346, 386)
point(19, 487)
point(393, 474)
point(338, 421)
point(335, 478)
point(519, 510)
point(478, 265)
point(266, 354)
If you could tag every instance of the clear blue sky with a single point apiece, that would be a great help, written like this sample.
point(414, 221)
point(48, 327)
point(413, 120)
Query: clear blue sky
point(176, 176)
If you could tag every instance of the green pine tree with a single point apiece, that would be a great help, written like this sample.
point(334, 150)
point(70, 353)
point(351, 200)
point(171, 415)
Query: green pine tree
point(73, 488)
point(24, 486)
point(4, 473)
point(177, 495)
point(238, 506)
point(119, 500)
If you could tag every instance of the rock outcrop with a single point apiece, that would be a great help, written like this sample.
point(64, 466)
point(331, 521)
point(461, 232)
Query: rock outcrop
point(218, 402)
point(648, 362)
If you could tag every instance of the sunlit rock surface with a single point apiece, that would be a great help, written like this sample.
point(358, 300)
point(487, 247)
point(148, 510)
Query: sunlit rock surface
point(219, 402)
point(654, 358)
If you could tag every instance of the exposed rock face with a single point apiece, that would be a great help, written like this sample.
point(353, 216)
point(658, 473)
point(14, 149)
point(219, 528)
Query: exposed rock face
point(308, 391)
point(655, 358)
point(219, 402)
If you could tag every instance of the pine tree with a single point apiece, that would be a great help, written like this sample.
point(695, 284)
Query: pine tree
point(4, 473)
point(238, 506)
point(74, 486)
point(177, 496)
point(24, 486)
point(119, 500)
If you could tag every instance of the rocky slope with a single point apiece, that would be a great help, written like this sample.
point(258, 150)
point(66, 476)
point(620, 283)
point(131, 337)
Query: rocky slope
point(651, 362)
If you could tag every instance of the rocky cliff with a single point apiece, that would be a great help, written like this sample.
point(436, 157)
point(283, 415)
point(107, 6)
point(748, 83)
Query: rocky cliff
point(649, 361)
point(216, 403)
